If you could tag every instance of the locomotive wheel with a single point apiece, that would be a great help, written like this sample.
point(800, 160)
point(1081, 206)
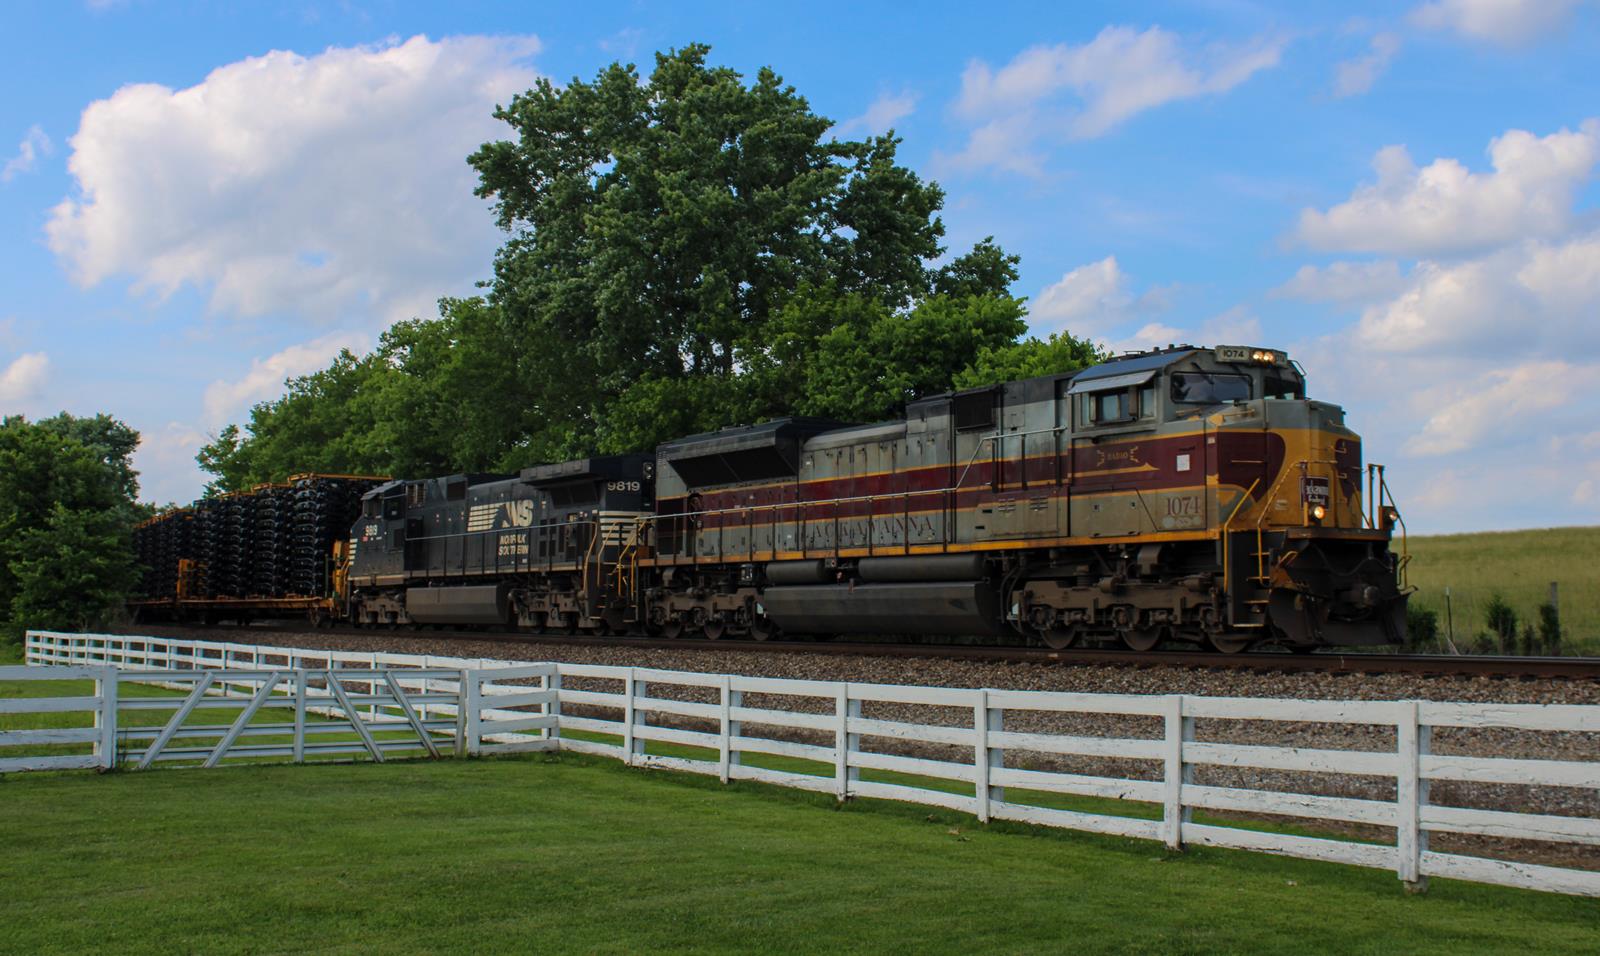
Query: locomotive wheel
point(715, 629)
point(1142, 638)
point(672, 630)
point(1229, 643)
point(1058, 638)
point(762, 629)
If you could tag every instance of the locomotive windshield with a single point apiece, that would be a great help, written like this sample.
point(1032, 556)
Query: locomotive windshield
point(1209, 388)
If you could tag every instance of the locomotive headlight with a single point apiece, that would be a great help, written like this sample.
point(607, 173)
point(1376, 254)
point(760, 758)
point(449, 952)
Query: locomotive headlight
point(1318, 512)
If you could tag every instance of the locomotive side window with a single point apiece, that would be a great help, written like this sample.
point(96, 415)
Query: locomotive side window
point(1111, 407)
point(1277, 386)
point(1209, 388)
point(393, 508)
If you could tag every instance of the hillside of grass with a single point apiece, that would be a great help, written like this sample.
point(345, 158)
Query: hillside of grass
point(1518, 566)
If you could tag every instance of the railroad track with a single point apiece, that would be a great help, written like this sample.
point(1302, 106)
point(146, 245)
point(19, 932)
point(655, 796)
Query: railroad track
point(1436, 665)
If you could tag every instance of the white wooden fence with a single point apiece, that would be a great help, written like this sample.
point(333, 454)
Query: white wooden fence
point(827, 726)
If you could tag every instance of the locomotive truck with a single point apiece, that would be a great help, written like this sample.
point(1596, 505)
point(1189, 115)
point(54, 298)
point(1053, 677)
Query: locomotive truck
point(1186, 495)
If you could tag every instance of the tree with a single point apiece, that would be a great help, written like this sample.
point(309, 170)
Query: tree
point(660, 225)
point(1029, 358)
point(66, 487)
point(72, 572)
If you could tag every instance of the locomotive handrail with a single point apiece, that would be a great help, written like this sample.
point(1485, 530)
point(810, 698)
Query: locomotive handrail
point(1227, 527)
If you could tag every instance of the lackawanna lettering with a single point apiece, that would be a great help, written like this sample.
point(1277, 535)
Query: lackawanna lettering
point(504, 514)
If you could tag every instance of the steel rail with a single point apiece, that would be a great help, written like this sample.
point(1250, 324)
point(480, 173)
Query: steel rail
point(1333, 662)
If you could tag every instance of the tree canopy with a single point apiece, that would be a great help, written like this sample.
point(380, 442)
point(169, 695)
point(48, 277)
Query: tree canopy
point(67, 502)
point(685, 250)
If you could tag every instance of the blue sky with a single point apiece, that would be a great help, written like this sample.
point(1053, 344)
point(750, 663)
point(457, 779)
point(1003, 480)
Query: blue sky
point(199, 199)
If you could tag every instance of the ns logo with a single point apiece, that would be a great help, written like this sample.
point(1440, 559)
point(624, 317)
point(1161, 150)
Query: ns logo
point(505, 514)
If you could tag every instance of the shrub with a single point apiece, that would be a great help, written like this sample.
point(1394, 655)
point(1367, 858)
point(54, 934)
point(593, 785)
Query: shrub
point(1502, 620)
point(1422, 625)
point(1550, 629)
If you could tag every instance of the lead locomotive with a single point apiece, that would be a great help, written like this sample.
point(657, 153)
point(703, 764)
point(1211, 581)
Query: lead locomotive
point(1187, 495)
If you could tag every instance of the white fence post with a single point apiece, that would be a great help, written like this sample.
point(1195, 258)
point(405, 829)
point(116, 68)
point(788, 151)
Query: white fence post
point(105, 718)
point(552, 683)
point(725, 728)
point(996, 720)
point(1173, 773)
point(735, 729)
point(300, 715)
point(472, 693)
point(842, 741)
point(980, 753)
point(628, 717)
point(1409, 797)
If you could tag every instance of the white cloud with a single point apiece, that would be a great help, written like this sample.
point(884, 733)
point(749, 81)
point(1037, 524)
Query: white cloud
point(166, 465)
point(1117, 75)
point(1344, 282)
point(34, 144)
point(225, 399)
point(1444, 208)
point(1356, 76)
point(1506, 22)
point(1536, 297)
point(1086, 300)
point(325, 186)
point(23, 377)
point(1005, 144)
point(1501, 401)
point(885, 111)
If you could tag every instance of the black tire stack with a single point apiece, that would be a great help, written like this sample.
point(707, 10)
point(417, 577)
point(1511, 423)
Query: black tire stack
point(324, 509)
point(271, 542)
point(212, 546)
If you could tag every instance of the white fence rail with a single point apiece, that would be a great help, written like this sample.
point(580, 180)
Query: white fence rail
point(827, 724)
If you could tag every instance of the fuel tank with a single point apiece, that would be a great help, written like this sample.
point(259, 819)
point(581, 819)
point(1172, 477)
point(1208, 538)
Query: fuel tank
point(480, 604)
point(923, 607)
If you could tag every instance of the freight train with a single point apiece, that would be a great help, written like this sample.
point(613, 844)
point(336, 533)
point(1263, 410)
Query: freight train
point(1180, 496)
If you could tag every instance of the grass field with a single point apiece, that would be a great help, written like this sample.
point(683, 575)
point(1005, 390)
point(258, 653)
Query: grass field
point(580, 854)
point(572, 853)
point(1518, 565)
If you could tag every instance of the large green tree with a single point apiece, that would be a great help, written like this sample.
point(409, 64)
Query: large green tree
point(660, 224)
point(67, 499)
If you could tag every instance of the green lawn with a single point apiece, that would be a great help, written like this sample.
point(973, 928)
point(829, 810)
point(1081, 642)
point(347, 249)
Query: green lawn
point(580, 854)
point(1519, 565)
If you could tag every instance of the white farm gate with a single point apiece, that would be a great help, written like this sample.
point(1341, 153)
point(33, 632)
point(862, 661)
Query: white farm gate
point(817, 730)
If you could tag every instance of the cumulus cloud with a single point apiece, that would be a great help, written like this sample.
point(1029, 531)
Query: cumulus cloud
point(34, 144)
point(326, 185)
point(1444, 208)
point(1537, 297)
point(1505, 22)
point(225, 399)
point(1083, 91)
point(1500, 401)
point(885, 111)
point(1091, 296)
point(166, 464)
point(23, 377)
point(1344, 283)
point(1356, 76)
